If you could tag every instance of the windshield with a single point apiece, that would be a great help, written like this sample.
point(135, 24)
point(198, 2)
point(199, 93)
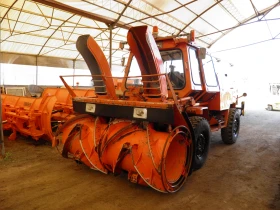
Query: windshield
point(173, 67)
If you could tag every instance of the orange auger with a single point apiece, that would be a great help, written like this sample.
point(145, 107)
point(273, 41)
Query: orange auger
point(28, 116)
point(139, 131)
point(160, 160)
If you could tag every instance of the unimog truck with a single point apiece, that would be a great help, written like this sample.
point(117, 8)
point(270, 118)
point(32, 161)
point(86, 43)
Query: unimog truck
point(155, 122)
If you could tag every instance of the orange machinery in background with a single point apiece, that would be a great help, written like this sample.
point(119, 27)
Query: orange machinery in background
point(38, 117)
point(157, 127)
point(28, 116)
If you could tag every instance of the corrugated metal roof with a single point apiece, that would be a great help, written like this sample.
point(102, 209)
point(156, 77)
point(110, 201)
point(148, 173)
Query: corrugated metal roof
point(51, 27)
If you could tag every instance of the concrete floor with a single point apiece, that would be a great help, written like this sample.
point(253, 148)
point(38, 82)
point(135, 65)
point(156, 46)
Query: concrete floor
point(245, 175)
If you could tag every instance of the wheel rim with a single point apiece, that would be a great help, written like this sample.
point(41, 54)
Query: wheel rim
point(201, 142)
point(235, 127)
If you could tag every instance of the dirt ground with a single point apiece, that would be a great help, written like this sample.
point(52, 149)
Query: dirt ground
point(245, 175)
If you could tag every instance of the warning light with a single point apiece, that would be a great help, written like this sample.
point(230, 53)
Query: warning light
point(155, 31)
point(192, 35)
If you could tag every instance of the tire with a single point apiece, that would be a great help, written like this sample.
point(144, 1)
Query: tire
point(269, 108)
point(230, 133)
point(202, 141)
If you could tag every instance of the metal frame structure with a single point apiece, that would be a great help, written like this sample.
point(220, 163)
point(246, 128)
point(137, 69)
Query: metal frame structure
point(51, 27)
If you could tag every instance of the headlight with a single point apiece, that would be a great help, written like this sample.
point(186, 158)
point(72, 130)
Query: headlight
point(140, 113)
point(90, 108)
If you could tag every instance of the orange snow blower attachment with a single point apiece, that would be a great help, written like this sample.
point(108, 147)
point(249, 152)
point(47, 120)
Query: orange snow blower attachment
point(158, 159)
point(28, 116)
point(141, 133)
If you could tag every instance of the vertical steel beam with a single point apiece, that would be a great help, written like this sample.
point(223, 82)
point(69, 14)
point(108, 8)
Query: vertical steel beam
point(1, 130)
point(110, 52)
point(1, 120)
point(36, 83)
point(74, 68)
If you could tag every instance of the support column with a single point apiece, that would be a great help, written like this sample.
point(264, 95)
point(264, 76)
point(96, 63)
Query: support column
point(36, 70)
point(1, 130)
point(110, 52)
point(74, 68)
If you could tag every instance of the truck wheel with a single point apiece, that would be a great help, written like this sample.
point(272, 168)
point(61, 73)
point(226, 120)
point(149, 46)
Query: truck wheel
point(269, 108)
point(230, 133)
point(202, 141)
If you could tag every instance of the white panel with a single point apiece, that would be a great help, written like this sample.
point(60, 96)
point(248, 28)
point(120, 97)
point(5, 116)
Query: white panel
point(22, 27)
point(118, 38)
point(166, 5)
point(68, 27)
point(83, 81)
point(73, 20)
point(19, 48)
point(32, 7)
point(127, 20)
point(50, 76)
point(202, 27)
point(61, 14)
point(6, 25)
point(274, 13)
point(45, 50)
point(232, 9)
point(91, 23)
point(120, 53)
point(183, 15)
point(274, 24)
point(33, 19)
point(135, 14)
point(82, 31)
point(18, 4)
point(244, 35)
point(47, 11)
point(212, 37)
point(122, 31)
point(25, 38)
point(145, 7)
point(4, 34)
point(274, 28)
point(3, 11)
point(74, 37)
point(13, 14)
point(260, 5)
point(214, 16)
point(80, 57)
point(59, 35)
point(63, 53)
point(13, 74)
point(199, 6)
point(55, 23)
point(7, 3)
point(44, 33)
point(69, 47)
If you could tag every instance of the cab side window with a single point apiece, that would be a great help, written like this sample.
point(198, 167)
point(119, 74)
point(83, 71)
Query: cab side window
point(194, 65)
point(209, 72)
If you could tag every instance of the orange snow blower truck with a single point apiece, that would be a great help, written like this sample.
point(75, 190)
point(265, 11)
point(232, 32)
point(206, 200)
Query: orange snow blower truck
point(155, 125)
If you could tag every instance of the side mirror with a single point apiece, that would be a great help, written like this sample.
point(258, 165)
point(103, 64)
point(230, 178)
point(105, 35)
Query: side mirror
point(202, 53)
point(243, 95)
